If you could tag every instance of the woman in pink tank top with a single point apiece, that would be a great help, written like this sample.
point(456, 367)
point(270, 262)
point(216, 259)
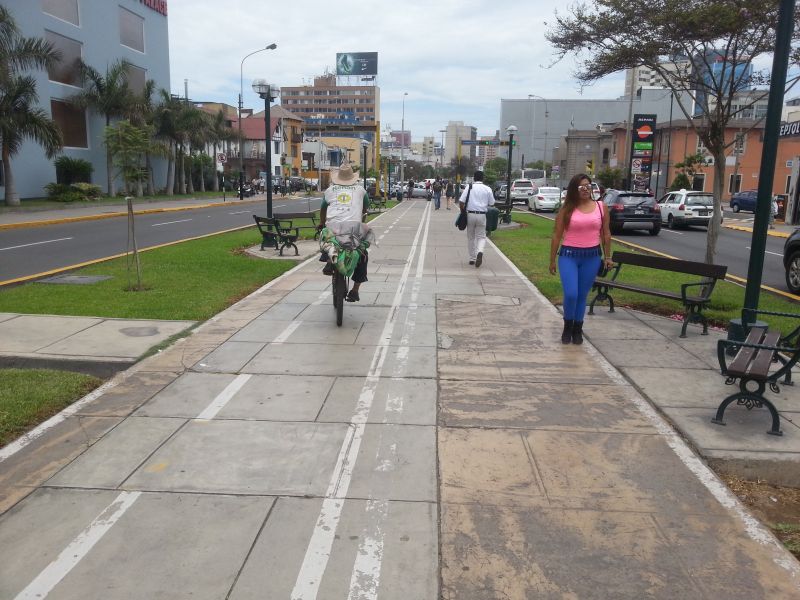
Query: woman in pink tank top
point(580, 232)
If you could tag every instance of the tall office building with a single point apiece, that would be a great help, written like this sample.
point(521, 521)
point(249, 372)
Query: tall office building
point(455, 133)
point(99, 33)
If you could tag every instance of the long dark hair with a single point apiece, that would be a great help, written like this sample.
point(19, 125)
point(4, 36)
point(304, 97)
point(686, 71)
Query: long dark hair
point(573, 197)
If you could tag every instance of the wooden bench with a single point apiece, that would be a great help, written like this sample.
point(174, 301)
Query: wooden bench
point(693, 303)
point(752, 362)
point(378, 203)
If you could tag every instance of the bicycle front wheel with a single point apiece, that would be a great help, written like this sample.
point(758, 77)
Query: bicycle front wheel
point(339, 291)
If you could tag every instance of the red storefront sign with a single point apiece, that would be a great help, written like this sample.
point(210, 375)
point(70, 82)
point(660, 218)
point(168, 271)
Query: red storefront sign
point(160, 6)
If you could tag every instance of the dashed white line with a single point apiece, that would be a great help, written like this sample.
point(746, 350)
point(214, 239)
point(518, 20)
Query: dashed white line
point(170, 223)
point(35, 244)
point(218, 403)
point(768, 252)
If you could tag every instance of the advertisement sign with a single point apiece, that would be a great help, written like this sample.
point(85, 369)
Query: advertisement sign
point(641, 151)
point(356, 63)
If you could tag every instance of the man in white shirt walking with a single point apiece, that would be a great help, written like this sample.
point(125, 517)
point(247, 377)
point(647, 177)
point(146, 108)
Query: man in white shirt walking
point(476, 199)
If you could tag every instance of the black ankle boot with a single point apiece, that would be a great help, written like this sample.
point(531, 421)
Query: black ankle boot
point(577, 332)
point(566, 336)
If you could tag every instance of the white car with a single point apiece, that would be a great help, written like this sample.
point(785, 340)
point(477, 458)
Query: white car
point(522, 190)
point(548, 198)
point(686, 207)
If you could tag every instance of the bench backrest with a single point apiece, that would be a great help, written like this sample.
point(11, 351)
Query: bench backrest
point(297, 215)
point(671, 264)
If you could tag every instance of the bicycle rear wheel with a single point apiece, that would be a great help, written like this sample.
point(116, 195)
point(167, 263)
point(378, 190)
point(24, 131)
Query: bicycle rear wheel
point(339, 291)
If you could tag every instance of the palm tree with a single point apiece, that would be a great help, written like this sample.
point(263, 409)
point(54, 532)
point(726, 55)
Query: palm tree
point(219, 132)
point(108, 96)
point(142, 113)
point(199, 136)
point(166, 116)
point(20, 119)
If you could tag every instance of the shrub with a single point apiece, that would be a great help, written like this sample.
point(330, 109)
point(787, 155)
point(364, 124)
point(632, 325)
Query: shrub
point(88, 190)
point(54, 190)
point(73, 170)
point(77, 192)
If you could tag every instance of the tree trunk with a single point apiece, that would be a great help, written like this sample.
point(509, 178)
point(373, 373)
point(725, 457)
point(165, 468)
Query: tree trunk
point(215, 182)
point(12, 198)
point(181, 171)
point(189, 169)
point(202, 175)
point(719, 187)
point(170, 170)
point(151, 187)
point(109, 167)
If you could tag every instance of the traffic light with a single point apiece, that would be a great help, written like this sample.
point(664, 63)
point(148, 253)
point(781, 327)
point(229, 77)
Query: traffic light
point(590, 166)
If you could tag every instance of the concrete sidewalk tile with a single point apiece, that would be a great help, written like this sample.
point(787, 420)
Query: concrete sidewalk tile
point(244, 457)
point(409, 544)
point(326, 332)
point(520, 553)
point(260, 330)
point(128, 395)
point(186, 396)
point(539, 406)
point(7, 316)
point(283, 312)
point(617, 329)
point(230, 357)
point(488, 466)
point(57, 447)
point(30, 333)
point(568, 364)
point(113, 458)
point(418, 334)
point(468, 365)
point(399, 401)
point(655, 352)
point(353, 312)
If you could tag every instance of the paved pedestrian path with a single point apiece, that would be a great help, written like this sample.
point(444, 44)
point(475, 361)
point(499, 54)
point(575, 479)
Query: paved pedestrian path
point(441, 444)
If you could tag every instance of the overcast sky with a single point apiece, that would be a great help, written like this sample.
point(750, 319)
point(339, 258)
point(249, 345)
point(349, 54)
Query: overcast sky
point(455, 58)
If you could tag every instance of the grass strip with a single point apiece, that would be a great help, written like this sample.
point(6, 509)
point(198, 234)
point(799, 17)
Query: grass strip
point(30, 396)
point(529, 249)
point(192, 281)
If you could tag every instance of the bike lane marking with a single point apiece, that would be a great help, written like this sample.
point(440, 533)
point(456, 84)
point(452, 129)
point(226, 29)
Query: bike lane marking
point(320, 545)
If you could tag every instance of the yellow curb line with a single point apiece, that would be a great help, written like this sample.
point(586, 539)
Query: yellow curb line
point(732, 278)
point(122, 214)
point(112, 257)
point(779, 234)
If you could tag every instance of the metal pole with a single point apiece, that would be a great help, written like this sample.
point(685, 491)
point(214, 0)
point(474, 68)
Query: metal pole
point(507, 216)
point(268, 128)
point(628, 133)
point(365, 167)
point(669, 141)
point(403, 142)
point(769, 155)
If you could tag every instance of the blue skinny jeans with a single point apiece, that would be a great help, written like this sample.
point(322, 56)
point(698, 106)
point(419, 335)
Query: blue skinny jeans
point(578, 267)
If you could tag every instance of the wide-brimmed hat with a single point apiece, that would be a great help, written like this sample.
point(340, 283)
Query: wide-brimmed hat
point(344, 175)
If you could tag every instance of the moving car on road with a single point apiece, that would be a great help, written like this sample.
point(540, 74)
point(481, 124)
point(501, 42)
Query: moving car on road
point(791, 261)
point(419, 191)
point(548, 198)
point(522, 190)
point(686, 207)
point(632, 210)
point(744, 201)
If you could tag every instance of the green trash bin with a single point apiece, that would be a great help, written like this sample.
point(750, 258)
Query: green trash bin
point(492, 218)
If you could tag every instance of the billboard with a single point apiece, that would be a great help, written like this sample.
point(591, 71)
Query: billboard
point(356, 63)
point(641, 151)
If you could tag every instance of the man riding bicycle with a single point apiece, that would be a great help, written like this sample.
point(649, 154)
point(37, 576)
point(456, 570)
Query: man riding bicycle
point(345, 203)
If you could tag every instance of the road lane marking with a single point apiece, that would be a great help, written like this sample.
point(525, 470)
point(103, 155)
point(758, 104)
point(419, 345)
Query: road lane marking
point(225, 396)
point(52, 575)
point(670, 231)
point(170, 222)
point(35, 244)
point(320, 545)
point(767, 252)
point(240, 212)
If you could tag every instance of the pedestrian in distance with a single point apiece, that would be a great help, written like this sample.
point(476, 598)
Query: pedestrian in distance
point(476, 200)
point(584, 237)
point(773, 212)
point(410, 188)
point(449, 192)
point(437, 193)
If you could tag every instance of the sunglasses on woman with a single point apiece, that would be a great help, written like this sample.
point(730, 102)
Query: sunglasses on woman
point(584, 188)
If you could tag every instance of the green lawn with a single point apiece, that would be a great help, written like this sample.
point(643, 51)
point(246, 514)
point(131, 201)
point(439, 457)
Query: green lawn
point(529, 249)
point(189, 281)
point(30, 396)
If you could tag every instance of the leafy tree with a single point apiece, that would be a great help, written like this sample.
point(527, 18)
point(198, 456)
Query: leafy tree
point(218, 133)
point(681, 182)
point(20, 117)
point(704, 51)
point(127, 144)
point(539, 164)
point(142, 113)
point(610, 177)
point(166, 129)
point(107, 95)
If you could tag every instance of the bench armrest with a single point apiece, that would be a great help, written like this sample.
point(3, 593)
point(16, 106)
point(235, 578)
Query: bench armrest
point(614, 271)
point(708, 284)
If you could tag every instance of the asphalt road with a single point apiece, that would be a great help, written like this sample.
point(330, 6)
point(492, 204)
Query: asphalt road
point(32, 250)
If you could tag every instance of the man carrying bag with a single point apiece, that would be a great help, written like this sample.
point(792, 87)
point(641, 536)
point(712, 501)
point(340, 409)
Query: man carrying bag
point(474, 203)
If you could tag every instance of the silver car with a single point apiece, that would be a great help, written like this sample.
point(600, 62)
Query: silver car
point(548, 198)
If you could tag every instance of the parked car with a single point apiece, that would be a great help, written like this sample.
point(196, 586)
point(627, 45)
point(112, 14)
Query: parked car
point(522, 190)
point(547, 198)
point(686, 207)
point(419, 191)
point(791, 261)
point(744, 201)
point(632, 210)
point(500, 192)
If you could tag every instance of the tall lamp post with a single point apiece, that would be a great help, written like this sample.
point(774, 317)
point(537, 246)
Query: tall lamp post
point(511, 129)
point(268, 93)
point(403, 141)
point(241, 94)
point(364, 146)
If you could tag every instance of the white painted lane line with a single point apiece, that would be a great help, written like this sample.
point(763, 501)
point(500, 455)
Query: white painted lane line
point(322, 297)
point(79, 547)
point(240, 212)
point(767, 252)
point(315, 562)
point(35, 244)
point(284, 335)
point(170, 222)
point(672, 232)
point(218, 403)
point(365, 580)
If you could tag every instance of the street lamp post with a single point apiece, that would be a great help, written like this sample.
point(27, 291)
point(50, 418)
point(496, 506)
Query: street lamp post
point(403, 141)
point(268, 93)
point(511, 131)
point(241, 94)
point(364, 146)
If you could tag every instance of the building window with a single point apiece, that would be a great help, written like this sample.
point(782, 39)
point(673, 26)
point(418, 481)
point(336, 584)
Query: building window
point(735, 183)
point(701, 148)
point(66, 10)
point(136, 77)
point(66, 70)
point(738, 146)
point(131, 30)
point(72, 122)
point(699, 182)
